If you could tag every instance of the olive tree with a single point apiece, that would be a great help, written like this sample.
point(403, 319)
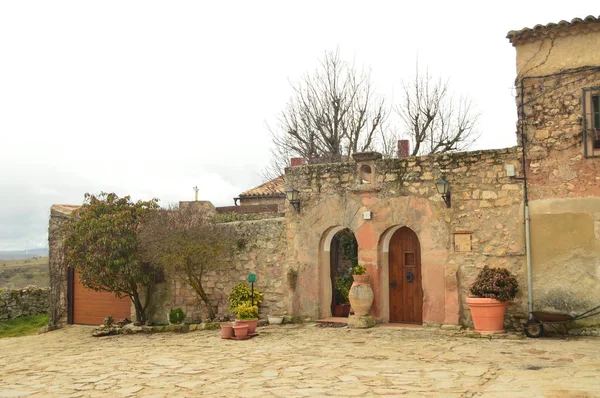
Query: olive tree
point(102, 245)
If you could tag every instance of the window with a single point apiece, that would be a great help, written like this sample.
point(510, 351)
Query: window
point(591, 121)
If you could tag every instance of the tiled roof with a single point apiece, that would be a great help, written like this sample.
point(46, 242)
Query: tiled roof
point(274, 188)
point(551, 29)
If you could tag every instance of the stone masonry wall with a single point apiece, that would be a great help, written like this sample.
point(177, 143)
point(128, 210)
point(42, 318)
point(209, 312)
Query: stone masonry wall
point(30, 300)
point(484, 201)
point(564, 191)
point(263, 255)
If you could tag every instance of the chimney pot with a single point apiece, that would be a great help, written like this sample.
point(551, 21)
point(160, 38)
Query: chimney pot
point(403, 148)
point(296, 162)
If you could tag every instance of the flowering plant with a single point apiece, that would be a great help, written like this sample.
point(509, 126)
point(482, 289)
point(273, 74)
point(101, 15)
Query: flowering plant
point(495, 283)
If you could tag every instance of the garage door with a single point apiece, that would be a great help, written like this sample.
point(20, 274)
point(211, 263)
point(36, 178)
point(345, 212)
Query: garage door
point(90, 307)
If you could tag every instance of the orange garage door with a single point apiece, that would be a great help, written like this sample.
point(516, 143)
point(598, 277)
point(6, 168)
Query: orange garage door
point(90, 307)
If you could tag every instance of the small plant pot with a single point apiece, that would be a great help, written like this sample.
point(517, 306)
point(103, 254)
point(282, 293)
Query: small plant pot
point(341, 310)
point(275, 320)
point(226, 331)
point(252, 323)
point(241, 331)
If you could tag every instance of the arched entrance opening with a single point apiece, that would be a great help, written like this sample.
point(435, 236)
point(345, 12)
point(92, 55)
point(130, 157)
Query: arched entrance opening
point(343, 256)
point(405, 277)
point(339, 252)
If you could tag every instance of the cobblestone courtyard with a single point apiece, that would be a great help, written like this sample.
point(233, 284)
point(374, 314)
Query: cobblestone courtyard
point(298, 360)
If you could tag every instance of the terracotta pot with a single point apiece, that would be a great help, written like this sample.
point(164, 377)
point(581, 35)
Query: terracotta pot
point(341, 310)
point(487, 314)
point(226, 331)
point(241, 331)
point(252, 323)
point(361, 295)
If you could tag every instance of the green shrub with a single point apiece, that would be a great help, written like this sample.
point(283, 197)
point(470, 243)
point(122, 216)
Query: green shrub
point(246, 311)
point(176, 316)
point(342, 288)
point(242, 294)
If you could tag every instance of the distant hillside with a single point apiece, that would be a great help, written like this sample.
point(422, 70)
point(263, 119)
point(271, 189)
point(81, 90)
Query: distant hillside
point(16, 274)
point(23, 254)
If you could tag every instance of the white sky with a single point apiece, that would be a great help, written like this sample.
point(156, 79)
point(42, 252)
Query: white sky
point(152, 98)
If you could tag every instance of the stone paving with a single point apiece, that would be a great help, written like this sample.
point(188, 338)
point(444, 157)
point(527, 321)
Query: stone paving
point(298, 360)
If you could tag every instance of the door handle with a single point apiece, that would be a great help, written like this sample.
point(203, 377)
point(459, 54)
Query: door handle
point(409, 277)
point(393, 284)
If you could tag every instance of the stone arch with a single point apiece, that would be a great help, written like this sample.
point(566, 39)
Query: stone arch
point(384, 266)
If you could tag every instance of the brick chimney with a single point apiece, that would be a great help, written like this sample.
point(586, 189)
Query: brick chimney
point(403, 148)
point(296, 161)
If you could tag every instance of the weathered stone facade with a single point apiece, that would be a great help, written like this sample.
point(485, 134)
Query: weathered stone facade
point(484, 201)
point(31, 300)
point(554, 66)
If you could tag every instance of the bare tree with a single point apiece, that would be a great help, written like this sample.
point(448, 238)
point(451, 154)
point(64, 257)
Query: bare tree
point(435, 120)
point(188, 242)
point(332, 114)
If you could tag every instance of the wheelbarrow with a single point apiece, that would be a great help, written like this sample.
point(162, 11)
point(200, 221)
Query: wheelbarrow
point(534, 327)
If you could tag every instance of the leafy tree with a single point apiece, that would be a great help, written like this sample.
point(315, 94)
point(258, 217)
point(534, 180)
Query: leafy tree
point(102, 244)
point(188, 242)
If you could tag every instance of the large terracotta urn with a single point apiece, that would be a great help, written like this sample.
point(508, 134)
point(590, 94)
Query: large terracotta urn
point(487, 314)
point(361, 295)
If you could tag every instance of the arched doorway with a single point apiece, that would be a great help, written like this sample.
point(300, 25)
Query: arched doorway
point(405, 281)
point(343, 256)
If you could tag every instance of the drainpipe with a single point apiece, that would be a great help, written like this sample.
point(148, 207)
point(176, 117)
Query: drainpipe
point(526, 202)
point(528, 257)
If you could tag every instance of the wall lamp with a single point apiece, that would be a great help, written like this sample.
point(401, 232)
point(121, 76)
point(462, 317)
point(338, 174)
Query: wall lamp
point(293, 197)
point(443, 188)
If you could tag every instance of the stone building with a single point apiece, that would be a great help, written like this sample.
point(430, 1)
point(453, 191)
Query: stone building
point(558, 98)
point(423, 250)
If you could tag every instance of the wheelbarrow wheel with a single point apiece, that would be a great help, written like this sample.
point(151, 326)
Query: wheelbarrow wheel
point(534, 328)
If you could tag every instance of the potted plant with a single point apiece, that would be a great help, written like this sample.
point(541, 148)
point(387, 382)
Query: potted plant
point(492, 289)
point(246, 314)
point(361, 294)
point(341, 307)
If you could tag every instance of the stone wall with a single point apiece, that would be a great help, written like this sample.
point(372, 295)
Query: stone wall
point(31, 300)
point(564, 189)
point(485, 203)
point(263, 255)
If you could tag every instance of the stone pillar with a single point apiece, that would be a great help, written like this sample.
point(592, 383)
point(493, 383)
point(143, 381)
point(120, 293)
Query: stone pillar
point(59, 214)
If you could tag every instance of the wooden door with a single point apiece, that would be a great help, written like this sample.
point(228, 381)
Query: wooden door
point(406, 290)
point(91, 307)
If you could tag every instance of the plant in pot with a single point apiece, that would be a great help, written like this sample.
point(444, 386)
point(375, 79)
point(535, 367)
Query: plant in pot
point(490, 292)
point(241, 298)
point(342, 303)
point(246, 314)
point(361, 294)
